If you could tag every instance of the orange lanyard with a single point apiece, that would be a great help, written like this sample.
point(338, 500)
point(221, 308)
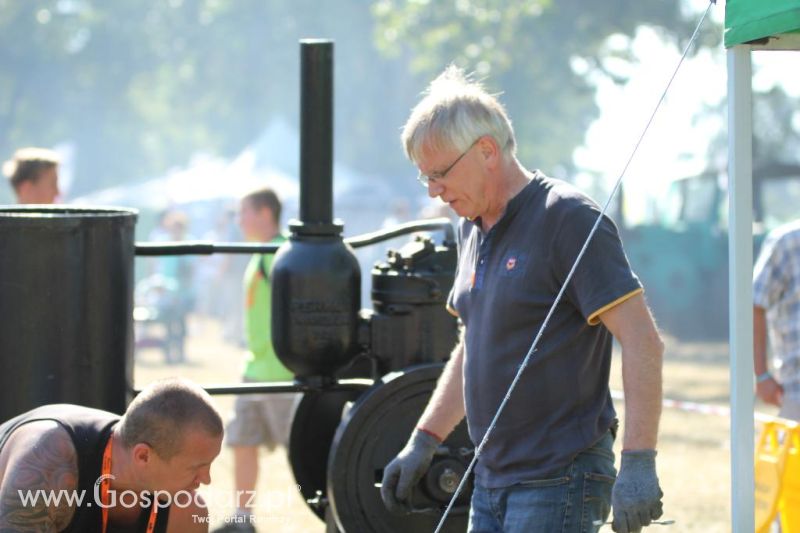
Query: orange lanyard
point(106, 483)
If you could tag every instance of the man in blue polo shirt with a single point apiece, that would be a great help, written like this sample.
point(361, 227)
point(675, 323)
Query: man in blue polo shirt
point(548, 464)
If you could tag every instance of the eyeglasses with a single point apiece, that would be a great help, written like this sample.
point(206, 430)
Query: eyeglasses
point(426, 180)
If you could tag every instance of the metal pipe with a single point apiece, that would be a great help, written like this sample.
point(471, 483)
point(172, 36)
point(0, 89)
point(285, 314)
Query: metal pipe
point(414, 226)
point(316, 131)
point(202, 248)
point(358, 241)
point(275, 387)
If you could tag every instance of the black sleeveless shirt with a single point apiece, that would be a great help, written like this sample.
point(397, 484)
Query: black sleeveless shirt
point(89, 430)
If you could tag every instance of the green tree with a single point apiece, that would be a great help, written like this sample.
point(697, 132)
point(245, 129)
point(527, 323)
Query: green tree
point(539, 52)
point(141, 85)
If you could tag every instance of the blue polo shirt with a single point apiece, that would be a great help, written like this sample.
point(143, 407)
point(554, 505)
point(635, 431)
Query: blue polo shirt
point(506, 281)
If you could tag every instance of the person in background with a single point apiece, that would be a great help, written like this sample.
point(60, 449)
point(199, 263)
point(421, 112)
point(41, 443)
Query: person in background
point(259, 419)
point(169, 286)
point(776, 315)
point(33, 174)
point(178, 269)
point(549, 463)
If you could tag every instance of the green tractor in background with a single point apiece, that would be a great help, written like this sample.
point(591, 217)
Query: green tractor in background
point(681, 253)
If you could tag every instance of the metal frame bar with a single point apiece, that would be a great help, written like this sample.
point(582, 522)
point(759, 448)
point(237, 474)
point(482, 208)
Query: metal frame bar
point(275, 387)
point(740, 254)
point(359, 241)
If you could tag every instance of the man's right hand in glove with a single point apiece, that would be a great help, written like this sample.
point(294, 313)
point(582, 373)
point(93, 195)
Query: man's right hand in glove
point(405, 470)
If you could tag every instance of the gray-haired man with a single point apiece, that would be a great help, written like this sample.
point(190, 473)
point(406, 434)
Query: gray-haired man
point(548, 465)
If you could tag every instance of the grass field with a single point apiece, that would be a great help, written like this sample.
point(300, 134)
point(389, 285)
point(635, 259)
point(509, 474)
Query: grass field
point(694, 449)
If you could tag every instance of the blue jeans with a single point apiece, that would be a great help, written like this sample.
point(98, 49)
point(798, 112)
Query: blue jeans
point(569, 501)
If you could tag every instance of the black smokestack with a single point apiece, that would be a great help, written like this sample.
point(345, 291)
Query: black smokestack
point(316, 132)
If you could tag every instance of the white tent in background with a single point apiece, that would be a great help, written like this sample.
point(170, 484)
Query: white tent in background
point(272, 159)
point(204, 179)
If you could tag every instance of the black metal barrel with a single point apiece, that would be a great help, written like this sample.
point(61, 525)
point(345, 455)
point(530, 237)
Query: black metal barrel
point(66, 300)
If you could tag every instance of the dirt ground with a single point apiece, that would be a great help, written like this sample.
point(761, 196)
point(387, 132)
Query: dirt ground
point(694, 449)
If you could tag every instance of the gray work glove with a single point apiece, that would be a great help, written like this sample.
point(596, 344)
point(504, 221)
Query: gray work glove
point(636, 497)
point(405, 470)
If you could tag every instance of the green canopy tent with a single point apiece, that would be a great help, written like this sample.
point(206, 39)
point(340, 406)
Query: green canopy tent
point(749, 25)
point(767, 24)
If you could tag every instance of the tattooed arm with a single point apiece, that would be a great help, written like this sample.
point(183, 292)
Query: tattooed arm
point(40, 457)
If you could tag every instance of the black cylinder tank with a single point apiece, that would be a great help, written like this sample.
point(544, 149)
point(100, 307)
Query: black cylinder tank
point(316, 294)
point(316, 279)
point(66, 301)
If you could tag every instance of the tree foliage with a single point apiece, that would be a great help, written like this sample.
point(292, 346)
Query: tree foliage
point(539, 52)
point(140, 85)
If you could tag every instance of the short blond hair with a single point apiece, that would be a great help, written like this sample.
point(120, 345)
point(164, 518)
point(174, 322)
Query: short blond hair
point(28, 163)
point(455, 111)
point(162, 413)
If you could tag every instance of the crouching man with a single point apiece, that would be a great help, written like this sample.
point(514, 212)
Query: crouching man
point(67, 468)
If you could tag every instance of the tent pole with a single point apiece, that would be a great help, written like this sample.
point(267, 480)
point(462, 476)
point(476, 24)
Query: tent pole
point(740, 257)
